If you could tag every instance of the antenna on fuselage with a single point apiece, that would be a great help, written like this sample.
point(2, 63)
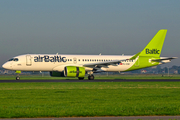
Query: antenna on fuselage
point(99, 53)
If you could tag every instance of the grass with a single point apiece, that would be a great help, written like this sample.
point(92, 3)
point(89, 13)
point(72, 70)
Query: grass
point(97, 76)
point(19, 100)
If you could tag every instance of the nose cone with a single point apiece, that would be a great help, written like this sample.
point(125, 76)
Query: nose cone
point(7, 66)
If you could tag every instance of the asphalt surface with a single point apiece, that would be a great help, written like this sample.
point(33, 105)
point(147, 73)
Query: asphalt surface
point(120, 80)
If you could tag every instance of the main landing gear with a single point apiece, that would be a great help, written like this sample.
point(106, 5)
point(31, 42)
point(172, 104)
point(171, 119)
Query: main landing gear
point(81, 78)
point(91, 77)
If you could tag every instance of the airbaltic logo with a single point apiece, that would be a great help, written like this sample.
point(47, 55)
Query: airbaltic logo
point(49, 59)
point(152, 51)
point(74, 71)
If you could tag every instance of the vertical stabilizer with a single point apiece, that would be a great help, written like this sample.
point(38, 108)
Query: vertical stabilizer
point(154, 47)
point(152, 52)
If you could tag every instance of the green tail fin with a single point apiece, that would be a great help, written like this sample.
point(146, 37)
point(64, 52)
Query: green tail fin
point(150, 52)
point(154, 47)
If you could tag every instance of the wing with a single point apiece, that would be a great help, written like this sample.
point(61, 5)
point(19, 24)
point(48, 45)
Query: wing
point(105, 64)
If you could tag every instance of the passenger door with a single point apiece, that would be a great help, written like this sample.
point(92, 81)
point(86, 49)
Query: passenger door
point(28, 60)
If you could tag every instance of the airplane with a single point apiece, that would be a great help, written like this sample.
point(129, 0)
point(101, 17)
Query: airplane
point(63, 65)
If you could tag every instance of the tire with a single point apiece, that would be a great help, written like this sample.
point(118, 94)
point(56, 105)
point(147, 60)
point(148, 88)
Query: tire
point(81, 78)
point(91, 77)
point(17, 78)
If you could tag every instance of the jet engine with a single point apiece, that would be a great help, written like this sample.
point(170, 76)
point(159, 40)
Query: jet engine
point(73, 71)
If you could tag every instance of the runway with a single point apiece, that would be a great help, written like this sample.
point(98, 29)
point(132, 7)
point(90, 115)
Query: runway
point(99, 80)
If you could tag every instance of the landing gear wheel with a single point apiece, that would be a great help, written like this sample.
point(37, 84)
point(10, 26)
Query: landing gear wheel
point(81, 78)
point(17, 78)
point(91, 77)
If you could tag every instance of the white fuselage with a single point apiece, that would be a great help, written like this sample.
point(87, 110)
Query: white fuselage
point(57, 62)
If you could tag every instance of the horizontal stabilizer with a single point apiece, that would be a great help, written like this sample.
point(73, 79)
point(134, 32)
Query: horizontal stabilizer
point(164, 59)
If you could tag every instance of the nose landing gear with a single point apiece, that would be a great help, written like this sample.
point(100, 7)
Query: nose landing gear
point(18, 77)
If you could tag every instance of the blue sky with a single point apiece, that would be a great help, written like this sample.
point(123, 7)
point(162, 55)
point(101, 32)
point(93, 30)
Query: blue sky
point(87, 26)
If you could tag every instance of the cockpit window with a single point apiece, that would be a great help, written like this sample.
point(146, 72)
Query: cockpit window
point(13, 59)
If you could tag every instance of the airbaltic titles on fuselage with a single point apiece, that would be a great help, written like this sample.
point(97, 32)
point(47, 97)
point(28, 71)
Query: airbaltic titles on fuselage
point(47, 58)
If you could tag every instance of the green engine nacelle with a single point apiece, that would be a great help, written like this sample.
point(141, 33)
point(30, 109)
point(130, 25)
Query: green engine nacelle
point(73, 71)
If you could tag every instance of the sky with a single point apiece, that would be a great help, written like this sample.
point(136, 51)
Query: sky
point(110, 27)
